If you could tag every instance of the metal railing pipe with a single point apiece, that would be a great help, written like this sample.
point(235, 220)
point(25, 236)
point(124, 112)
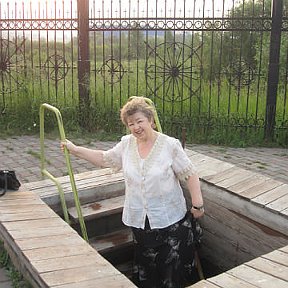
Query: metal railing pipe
point(68, 164)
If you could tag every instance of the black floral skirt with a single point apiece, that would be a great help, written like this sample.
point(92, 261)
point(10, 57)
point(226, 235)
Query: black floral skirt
point(164, 258)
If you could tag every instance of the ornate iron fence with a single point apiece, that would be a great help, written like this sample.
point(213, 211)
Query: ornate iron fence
point(206, 66)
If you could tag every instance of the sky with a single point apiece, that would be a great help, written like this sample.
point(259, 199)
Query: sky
point(67, 9)
point(116, 8)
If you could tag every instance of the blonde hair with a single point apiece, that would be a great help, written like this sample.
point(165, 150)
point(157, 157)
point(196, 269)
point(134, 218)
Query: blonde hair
point(134, 105)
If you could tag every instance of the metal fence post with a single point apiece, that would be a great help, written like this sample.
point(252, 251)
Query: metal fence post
point(273, 72)
point(83, 62)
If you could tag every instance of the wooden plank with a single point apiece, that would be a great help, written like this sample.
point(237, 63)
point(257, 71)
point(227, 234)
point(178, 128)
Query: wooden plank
point(70, 261)
point(216, 247)
point(254, 190)
point(94, 173)
point(66, 179)
point(88, 195)
point(14, 209)
point(40, 232)
point(31, 215)
point(206, 161)
point(108, 242)
point(111, 281)
point(74, 275)
point(89, 179)
point(35, 224)
point(247, 237)
point(279, 204)
point(243, 186)
point(80, 184)
point(99, 209)
point(240, 205)
point(31, 186)
point(270, 267)
point(50, 241)
point(256, 277)
point(190, 152)
point(212, 167)
point(240, 177)
point(204, 284)
point(285, 212)
point(226, 251)
point(16, 202)
point(229, 281)
point(99, 184)
point(271, 195)
point(46, 182)
point(197, 158)
point(82, 180)
point(57, 251)
point(96, 180)
point(226, 174)
point(91, 192)
point(83, 187)
point(262, 188)
point(19, 195)
point(277, 256)
point(284, 249)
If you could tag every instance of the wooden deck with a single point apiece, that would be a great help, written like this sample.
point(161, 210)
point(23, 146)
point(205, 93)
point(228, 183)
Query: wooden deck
point(47, 250)
point(51, 254)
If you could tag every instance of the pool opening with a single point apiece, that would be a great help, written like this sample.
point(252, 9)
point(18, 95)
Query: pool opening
point(113, 240)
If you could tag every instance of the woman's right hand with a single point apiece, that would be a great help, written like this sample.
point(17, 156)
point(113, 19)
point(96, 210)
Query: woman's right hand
point(69, 145)
point(93, 156)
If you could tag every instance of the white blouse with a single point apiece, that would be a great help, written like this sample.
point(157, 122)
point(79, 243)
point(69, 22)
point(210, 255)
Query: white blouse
point(152, 187)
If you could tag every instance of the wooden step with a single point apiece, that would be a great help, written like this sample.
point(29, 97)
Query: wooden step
point(99, 209)
point(116, 240)
point(126, 268)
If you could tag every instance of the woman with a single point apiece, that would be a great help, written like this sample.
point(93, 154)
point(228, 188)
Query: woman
point(154, 207)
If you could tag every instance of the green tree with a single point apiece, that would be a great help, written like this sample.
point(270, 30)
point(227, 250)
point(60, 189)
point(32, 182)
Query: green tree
point(136, 41)
point(248, 20)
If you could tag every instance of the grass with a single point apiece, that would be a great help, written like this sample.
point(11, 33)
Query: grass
point(261, 167)
point(227, 157)
point(195, 134)
point(13, 274)
point(221, 116)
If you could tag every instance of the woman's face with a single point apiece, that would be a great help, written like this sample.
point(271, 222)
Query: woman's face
point(140, 126)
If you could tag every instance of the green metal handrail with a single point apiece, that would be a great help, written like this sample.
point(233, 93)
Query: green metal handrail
point(155, 114)
point(68, 164)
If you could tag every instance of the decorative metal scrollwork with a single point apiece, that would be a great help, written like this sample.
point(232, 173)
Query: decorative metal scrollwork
point(173, 71)
point(56, 67)
point(112, 71)
point(12, 65)
point(240, 73)
point(185, 24)
point(39, 24)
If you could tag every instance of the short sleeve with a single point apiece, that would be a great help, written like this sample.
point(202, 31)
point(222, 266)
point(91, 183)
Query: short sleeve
point(182, 165)
point(113, 157)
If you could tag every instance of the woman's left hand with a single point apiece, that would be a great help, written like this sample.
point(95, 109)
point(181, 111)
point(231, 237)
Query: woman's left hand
point(197, 213)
